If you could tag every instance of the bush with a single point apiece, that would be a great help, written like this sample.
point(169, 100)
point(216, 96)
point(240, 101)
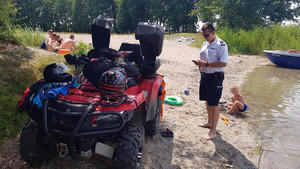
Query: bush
point(82, 49)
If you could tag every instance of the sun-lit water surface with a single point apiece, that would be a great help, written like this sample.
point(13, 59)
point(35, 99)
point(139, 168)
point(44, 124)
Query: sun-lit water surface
point(273, 96)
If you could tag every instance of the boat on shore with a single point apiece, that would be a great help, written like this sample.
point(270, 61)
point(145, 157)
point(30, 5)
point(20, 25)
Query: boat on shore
point(284, 58)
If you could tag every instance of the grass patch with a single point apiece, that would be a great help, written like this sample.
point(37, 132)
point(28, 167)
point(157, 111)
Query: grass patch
point(19, 68)
point(261, 38)
point(29, 36)
point(25, 36)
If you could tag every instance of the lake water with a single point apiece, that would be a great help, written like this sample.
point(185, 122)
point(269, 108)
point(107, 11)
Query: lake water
point(273, 96)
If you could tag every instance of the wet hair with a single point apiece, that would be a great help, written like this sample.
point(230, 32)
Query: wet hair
point(72, 36)
point(208, 26)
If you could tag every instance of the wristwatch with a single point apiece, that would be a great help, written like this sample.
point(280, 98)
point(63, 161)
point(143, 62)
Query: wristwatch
point(206, 64)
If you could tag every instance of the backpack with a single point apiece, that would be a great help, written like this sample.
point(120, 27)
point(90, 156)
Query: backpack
point(24, 102)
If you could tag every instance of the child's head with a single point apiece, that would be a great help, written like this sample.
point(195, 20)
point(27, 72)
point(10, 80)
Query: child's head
point(234, 90)
point(72, 37)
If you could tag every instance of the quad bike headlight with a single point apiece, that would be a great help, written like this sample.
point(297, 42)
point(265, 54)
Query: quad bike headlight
point(108, 119)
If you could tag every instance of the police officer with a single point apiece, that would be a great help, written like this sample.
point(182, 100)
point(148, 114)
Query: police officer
point(213, 59)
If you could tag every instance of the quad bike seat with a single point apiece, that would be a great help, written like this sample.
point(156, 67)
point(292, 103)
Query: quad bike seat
point(136, 56)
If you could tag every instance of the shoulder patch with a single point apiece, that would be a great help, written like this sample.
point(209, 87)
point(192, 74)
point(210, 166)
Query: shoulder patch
point(222, 43)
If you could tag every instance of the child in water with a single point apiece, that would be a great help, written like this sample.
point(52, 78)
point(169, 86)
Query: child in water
point(238, 102)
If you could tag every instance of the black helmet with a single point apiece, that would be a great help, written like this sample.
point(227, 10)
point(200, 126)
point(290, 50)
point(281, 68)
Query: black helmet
point(54, 72)
point(112, 86)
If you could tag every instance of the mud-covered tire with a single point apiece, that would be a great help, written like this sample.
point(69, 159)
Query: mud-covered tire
point(34, 147)
point(128, 153)
point(152, 125)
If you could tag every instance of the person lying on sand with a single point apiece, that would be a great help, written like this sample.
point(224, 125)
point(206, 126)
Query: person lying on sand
point(238, 102)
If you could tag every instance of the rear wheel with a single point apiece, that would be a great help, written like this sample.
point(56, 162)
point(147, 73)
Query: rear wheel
point(34, 146)
point(128, 153)
point(152, 125)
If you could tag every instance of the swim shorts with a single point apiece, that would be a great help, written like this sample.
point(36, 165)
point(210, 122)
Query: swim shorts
point(245, 108)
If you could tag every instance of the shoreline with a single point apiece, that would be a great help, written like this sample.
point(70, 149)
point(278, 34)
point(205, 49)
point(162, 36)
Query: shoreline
point(235, 146)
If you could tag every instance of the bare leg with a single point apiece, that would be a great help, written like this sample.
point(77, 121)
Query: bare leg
point(236, 107)
point(214, 121)
point(209, 120)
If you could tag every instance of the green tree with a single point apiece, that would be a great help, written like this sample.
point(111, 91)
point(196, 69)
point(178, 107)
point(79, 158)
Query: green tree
point(178, 18)
point(62, 11)
point(36, 13)
point(86, 11)
point(158, 11)
point(130, 13)
point(245, 13)
point(7, 12)
point(47, 18)
point(80, 17)
point(28, 12)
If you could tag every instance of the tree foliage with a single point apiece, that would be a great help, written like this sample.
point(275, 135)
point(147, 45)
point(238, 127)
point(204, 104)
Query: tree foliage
point(130, 13)
point(173, 15)
point(7, 11)
point(245, 13)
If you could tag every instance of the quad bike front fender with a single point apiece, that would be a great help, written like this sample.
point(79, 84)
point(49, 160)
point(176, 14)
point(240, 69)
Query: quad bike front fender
point(151, 89)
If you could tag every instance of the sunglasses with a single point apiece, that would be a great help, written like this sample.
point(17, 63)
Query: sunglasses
point(206, 35)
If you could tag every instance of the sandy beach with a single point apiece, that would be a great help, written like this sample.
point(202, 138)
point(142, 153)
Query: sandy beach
point(234, 147)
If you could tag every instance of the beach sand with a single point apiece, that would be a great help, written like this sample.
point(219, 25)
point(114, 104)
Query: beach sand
point(234, 147)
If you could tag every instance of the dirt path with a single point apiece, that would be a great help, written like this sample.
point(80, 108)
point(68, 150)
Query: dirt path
point(234, 146)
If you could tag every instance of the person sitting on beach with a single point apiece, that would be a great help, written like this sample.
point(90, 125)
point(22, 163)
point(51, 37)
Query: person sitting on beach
point(51, 43)
point(238, 102)
point(44, 44)
point(59, 40)
point(67, 44)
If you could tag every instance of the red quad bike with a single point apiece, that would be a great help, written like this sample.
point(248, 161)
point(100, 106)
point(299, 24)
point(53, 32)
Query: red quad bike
point(84, 122)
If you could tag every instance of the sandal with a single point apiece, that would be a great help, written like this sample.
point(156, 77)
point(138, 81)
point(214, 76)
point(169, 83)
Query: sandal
point(167, 133)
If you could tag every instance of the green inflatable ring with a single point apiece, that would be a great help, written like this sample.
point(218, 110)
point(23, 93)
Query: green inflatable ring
point(174, 100)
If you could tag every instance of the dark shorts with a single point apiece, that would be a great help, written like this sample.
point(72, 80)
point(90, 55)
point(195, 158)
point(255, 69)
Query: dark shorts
point(211, 86)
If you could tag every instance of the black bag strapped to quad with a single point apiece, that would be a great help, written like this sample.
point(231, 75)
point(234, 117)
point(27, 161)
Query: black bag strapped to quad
point(94, 70)
point(24, 102)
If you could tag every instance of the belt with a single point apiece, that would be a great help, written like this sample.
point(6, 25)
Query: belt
point(212, 74)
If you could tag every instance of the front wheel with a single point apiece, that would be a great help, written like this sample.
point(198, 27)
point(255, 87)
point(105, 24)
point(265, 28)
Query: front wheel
point(34, 146)
point(128, 153)
point(152, 125)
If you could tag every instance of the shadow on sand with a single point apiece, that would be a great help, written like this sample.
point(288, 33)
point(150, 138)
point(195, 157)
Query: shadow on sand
point(234, 157)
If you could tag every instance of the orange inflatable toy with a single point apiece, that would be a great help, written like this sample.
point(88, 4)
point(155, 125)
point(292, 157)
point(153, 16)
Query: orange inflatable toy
point(64, 51)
